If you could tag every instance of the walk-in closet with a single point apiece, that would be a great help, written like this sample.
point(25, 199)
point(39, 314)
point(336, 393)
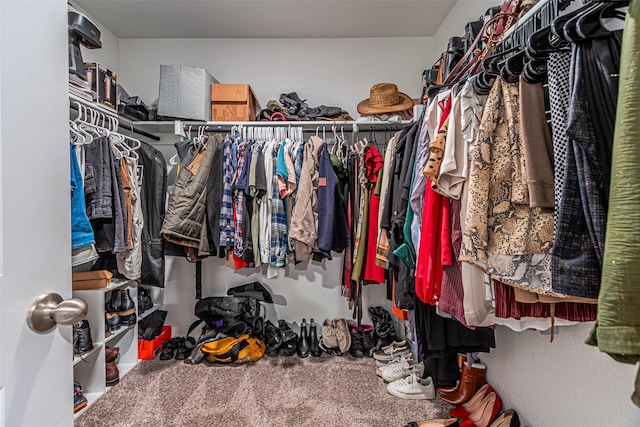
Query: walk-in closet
point(318, 212)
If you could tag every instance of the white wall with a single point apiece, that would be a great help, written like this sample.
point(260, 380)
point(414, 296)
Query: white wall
point(564, 383)
point(335, 72)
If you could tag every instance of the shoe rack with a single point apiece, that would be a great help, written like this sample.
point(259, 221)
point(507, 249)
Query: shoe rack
point(89, 369)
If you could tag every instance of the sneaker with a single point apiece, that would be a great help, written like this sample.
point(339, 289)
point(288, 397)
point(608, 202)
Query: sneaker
point(395, 349)
point(343, 335)
point(79, 401)
point(382, 363)
point(401, 369)
point(412, 387)
point(329, 338)
point(82, 342)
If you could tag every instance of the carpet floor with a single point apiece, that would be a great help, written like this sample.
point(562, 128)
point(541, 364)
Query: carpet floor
point(280, 391)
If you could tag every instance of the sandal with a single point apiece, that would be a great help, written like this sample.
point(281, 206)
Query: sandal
point(169, 349)
point(289, 340)
point(186, 347)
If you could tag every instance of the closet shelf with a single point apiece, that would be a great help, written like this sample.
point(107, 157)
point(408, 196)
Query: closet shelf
point(123, 330)
point(148, 312)
point(119, 283)
point(78, 359)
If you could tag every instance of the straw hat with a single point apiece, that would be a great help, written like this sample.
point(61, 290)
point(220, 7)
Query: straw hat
point(384, 98)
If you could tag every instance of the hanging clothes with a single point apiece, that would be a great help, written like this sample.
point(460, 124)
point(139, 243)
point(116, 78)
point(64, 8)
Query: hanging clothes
point(503, 234)
point(435, 239)
point(130, 261)
point(616, 331)
point(304, 220)
point(578, 247)
point(81, 231)
point(152, 202)
point(185, 220)
point(373, 163)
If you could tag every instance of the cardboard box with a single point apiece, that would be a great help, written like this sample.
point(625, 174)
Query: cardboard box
point(149, 349)
point(103, 81)
point(185, 92)
point(90, 280)
point(233, 103)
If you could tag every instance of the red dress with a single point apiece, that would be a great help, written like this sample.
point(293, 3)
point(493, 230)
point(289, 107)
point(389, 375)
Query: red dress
point(435, 239)
point(373, 163)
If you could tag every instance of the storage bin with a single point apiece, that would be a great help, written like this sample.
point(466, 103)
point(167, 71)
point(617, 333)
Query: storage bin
point(149, 349)
point(233, 103)
point(185, 92)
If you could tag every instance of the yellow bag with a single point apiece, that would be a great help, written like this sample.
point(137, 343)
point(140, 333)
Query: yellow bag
point(234, 350)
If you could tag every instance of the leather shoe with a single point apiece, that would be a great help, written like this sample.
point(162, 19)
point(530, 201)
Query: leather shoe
point(113, 320)
point(472, 379)
point(111, 354)
point(461, 359)
point(112, 374)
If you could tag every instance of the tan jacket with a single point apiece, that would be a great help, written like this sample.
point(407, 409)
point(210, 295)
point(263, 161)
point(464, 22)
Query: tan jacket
point(304, 219)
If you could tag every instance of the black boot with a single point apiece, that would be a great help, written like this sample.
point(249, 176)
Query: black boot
point(314, 348)
point(82, 342)
point(127, 308)
point(303, 342)
point(113, 305)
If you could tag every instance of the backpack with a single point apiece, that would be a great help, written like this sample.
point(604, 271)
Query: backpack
point(234, 350)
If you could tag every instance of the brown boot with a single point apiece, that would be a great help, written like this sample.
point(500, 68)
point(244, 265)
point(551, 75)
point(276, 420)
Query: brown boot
point(461, 359)
point(472, 379)
point(111, 354)
point(113, 375)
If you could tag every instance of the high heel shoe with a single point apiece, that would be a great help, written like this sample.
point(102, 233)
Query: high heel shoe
point(485, 413)
point(303, 341)
point(509, 418)
point(465, 409)
point(449, 422)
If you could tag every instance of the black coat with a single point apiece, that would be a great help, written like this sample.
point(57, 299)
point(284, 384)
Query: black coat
point(152, 195)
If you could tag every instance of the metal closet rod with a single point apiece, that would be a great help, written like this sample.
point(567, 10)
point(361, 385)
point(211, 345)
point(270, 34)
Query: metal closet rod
point(387, 127)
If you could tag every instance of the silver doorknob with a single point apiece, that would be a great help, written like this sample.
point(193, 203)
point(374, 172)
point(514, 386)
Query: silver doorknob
point(50, 310)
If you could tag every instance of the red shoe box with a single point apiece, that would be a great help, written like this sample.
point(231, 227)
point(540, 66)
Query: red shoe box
point(149, 349)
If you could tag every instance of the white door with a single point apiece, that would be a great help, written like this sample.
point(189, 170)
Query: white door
point(35, 369)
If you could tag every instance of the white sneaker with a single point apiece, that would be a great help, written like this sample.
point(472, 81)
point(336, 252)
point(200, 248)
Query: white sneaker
point(392, 350)
point(400, 370)
point(383, 364)
point(412, 387)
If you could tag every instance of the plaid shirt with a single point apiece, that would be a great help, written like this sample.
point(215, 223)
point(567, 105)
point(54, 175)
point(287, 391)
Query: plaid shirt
point(278, 246)
point(238, 198)
point(226, 210)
